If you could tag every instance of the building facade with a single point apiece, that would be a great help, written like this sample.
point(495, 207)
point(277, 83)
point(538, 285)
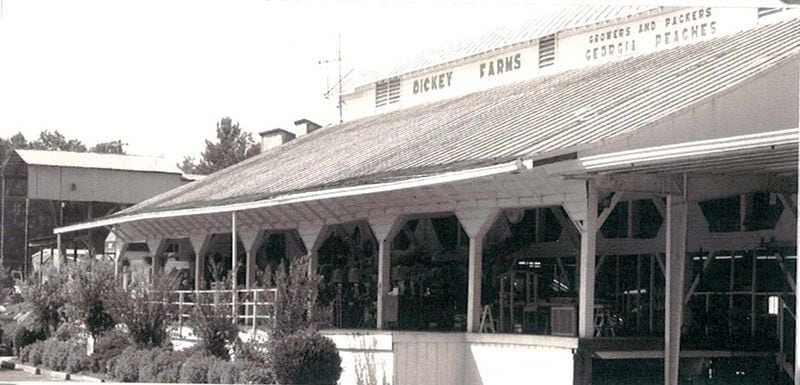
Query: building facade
point(628, 208)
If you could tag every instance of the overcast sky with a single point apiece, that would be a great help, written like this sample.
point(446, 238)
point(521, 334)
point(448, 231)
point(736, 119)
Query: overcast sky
point(159, 74)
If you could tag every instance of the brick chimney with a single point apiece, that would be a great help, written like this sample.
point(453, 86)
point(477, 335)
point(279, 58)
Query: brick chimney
point(274, 138)
point(305, 127)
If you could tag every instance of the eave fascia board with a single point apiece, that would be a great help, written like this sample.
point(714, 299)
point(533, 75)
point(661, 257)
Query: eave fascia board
point(703, 147)
point(449, 177)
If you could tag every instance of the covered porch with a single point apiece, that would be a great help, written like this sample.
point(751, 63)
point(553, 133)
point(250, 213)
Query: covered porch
point(633, 222)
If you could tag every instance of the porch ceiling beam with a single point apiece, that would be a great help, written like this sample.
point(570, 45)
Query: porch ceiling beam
point(718, 186)
point(260, 218)
point(640, 183)
point(286, 214)
point(323, 211)
point(303, 211)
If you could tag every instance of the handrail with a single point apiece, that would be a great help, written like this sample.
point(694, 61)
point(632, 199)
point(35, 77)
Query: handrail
point(246, 309)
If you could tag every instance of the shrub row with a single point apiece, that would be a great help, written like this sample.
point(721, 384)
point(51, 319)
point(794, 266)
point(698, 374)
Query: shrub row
point(56, 355)
point(192, 366)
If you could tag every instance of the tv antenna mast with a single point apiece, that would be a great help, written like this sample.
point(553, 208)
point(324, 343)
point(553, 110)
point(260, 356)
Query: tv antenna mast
point(338, 84)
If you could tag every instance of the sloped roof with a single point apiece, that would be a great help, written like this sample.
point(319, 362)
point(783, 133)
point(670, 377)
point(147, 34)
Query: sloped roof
point(548, 21)
point(98, 161)
point(540, 117)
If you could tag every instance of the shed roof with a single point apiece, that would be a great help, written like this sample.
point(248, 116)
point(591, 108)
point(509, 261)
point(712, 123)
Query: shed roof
point(543, 117)
point(98, 161)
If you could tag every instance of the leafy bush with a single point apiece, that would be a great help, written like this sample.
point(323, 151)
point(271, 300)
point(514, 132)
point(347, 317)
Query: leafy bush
point(215, 327)
point(195, 369)
point(70, 331)
point(54, 355)
point(306, 358)
point(252, 372)
point(296, 289)
point(108, 346)
point(144, 312)
point(161, 365)
point(77, 359)
point(36, 351)
point(46, 301)
point(221, 372)
point(170, 368)
point(125, 367)
point(24, 337)
point(25, 354)
point(86, 301)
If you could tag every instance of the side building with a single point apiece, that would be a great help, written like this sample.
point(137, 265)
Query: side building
point(43, 190)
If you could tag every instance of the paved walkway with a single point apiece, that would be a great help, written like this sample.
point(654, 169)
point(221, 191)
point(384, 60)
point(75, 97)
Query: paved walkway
point(14, 376)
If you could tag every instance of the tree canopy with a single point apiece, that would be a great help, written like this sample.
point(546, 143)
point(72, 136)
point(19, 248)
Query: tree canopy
point(232, 146)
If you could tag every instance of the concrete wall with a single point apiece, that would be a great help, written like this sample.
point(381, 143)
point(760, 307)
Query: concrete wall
point(400, 358)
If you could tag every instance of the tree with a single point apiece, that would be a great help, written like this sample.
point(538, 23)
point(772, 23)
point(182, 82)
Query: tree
point(112, 147)
point(296, 306)
point(232, 146)
point(55, 141)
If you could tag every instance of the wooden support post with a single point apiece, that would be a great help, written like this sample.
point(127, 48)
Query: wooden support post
point(385, 229)
point(675, 223)
point(57, 259)
point(252, 240)
point(476, 224)
point(27, 214)
point(234, 267)
point(120, 248)
point(156, 247)
point(652, 295)
point(2, 218)
point(313, 236)
point(796, 294)
point(199, 243)
point(587, 264)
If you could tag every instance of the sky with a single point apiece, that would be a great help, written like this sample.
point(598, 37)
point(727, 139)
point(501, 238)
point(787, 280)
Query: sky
point(159, 74)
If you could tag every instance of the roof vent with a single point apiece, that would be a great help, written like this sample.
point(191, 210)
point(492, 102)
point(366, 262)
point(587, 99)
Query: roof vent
point(305, 127)
point(274, 138)
point(387, 92)
point(547, 51)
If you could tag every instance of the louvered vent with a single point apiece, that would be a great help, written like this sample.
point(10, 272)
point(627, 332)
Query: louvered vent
point(387, 92)
point(547, 51)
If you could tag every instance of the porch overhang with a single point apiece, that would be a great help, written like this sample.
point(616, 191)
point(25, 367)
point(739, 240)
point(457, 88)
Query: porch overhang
point(300, 197)
point(772, 151)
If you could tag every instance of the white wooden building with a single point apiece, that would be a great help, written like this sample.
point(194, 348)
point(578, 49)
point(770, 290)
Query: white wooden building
point(606, 212)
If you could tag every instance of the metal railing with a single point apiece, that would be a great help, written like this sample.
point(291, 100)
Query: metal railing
point(251, 307)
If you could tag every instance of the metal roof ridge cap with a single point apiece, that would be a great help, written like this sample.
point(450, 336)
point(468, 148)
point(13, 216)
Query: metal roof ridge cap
point(446, 177)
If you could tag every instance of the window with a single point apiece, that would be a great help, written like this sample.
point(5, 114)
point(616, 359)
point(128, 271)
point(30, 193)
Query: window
point(387, 92)
point(761, 212)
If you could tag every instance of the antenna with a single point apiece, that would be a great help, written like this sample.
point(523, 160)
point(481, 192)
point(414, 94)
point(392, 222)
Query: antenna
point(338, 84)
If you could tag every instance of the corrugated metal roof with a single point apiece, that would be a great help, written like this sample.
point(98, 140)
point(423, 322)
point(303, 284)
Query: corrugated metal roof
point(99, 161)
point(549, 21)
point(538, 117)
